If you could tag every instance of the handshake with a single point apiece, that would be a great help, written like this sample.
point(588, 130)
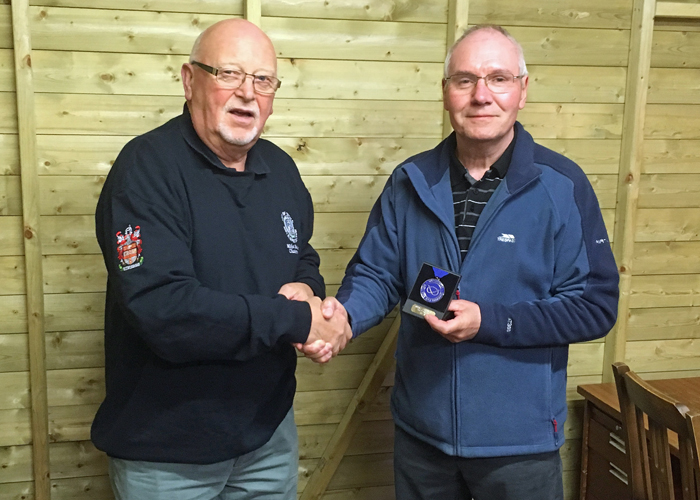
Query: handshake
point(330, 330)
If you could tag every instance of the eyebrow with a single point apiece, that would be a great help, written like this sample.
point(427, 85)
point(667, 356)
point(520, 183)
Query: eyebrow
point(261, 71)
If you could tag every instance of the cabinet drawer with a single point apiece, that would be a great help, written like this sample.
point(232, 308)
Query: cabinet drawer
point(605, 479)
point(606, 420)
point(609, 444)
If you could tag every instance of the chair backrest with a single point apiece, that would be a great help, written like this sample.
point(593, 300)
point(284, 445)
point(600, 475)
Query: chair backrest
point(648, 450)
point(693, 421)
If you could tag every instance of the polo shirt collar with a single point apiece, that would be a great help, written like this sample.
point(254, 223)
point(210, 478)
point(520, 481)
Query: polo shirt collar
point(255, 162)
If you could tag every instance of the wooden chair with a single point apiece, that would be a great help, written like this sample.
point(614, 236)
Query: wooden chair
point(693, 420)
point(648, 450)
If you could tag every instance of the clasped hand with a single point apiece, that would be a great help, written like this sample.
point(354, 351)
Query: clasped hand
point(330, 330)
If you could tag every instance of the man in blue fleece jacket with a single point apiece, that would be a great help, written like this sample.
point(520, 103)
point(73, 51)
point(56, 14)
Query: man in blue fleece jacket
point(205, 231)
point(479, 400)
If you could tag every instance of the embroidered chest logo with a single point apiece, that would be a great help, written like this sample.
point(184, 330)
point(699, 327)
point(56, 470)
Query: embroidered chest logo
point(129, 248)
point(506, 238)
point(288, 223)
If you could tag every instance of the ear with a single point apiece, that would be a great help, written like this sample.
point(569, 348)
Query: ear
point(523, 94)
point(186, 72)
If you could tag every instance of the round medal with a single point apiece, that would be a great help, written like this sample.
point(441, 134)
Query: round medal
point(432, 290)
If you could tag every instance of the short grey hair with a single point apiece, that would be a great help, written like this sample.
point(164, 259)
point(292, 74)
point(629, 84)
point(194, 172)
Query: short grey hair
point(522, 68)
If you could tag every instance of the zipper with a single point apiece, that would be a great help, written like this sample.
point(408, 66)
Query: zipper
point(455, 409)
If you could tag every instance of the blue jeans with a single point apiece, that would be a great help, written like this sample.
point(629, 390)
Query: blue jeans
point(270, 472)
point(422, 472)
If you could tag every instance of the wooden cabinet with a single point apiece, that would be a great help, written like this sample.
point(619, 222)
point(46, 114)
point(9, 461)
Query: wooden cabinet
point(604, 463)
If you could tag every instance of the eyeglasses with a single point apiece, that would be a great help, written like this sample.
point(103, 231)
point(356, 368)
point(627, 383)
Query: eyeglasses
point(498, 83)
point(233, 78)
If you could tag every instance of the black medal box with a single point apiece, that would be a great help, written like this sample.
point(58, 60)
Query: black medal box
point(432, 292)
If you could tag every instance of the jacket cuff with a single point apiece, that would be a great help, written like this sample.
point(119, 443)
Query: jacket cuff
point(279, 319)
point(357, 327)
point(493, 326)
point(301, 311)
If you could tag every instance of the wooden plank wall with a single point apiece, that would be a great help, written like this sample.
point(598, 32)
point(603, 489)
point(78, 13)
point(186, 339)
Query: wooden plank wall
point(360, 93)
point(664, 316)
point(15, 400)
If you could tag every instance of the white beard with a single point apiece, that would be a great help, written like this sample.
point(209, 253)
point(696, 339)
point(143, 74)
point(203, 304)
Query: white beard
point(241, 140)
point(227, 133)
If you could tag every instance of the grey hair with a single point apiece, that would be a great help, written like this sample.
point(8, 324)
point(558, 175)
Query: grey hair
point(500, 29)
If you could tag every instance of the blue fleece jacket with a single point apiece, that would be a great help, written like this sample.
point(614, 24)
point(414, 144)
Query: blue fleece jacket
point(541, 270)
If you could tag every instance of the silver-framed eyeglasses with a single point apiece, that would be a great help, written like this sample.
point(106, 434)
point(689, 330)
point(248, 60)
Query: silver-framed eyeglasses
point(233, 78)
point(500, 82)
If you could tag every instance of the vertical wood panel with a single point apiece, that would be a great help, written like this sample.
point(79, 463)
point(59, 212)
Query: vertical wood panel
point(457, 22)
point(253, 11)
point(631, 156)
point(457, 19)
point(32, 247)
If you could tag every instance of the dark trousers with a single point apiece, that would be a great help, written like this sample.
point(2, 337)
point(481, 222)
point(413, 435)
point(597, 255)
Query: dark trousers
point(422, 472)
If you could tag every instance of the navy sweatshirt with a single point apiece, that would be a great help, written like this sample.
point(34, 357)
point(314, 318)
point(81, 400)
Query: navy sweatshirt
point(199, 362)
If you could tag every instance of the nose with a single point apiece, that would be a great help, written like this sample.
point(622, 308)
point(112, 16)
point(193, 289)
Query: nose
point(481, 93)
point(246, 90)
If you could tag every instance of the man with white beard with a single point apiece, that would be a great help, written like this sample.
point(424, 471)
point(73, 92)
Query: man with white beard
point(204, 228)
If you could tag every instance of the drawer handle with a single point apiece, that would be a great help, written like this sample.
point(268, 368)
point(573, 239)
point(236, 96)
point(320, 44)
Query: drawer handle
point(618, 473)
point(617, 442)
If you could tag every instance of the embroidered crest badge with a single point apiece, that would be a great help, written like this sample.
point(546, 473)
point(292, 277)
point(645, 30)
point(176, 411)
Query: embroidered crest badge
point(129, 248)
point(288, 223)
point(289, 227)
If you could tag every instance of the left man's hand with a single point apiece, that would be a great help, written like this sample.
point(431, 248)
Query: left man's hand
point(464, 326)
point(331, 326)
point(319, 351)
point(296, 291)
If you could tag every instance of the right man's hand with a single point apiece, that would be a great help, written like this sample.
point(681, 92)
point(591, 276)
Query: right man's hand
point(465, 324)
point(330, 330)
